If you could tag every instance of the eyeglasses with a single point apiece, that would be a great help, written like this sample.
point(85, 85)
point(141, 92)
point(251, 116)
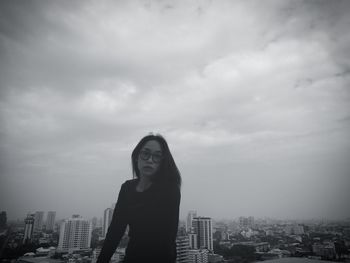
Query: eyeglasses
point(156, 157)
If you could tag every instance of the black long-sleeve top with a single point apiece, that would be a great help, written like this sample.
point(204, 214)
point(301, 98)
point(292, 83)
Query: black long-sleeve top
point(152, 216)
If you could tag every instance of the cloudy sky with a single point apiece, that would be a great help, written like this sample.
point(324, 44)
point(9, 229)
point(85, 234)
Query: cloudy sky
point(252, 96)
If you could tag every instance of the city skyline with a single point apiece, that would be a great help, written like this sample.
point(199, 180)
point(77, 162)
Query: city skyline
point(183, 221)
point(207, 241)
point(253, 99)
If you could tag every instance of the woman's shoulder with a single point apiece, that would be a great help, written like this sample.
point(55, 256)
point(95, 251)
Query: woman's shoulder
point(129, 183)
point(127, 186)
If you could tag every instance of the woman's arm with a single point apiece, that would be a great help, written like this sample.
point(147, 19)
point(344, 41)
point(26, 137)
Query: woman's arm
point(173, 212)
point(116, 229)
point(170, 219)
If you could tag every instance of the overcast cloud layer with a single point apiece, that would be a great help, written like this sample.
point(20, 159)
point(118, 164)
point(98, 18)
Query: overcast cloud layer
point(252, 96)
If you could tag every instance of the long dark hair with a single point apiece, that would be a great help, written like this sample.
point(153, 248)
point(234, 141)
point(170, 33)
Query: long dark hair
point(167, 172)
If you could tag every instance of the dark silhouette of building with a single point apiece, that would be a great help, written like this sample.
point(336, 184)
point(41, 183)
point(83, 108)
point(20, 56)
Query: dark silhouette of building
point(3, 219)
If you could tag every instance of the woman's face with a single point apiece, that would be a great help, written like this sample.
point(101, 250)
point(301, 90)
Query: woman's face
point(150, 158)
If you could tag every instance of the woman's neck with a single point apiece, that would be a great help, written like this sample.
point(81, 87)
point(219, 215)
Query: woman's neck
point(143, 184)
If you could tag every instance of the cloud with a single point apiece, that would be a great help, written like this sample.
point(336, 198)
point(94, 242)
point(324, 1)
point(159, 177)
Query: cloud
point(245, 88)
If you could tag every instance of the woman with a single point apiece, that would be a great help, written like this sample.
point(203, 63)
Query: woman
point(149, 204)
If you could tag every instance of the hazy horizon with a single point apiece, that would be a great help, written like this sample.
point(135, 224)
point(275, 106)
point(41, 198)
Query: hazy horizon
point(253, 98)
point(184, 218)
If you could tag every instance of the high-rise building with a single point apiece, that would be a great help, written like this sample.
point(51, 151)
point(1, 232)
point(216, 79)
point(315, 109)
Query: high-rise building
point(75, 234)
point(50, 220)
point(202, 226)
point(107, 219)
point(191, 214)
point(182, 248)
point(198, 256)
point(94, 222)
point(100, 222)
point(181, 231)
point(246, 221)
point(38, 220)
point(28, 228)
point(192, 239)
